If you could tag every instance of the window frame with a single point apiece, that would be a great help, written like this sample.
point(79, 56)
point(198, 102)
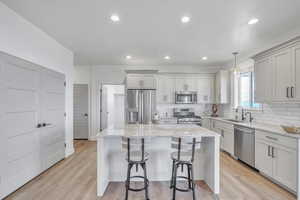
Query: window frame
point(237, 91)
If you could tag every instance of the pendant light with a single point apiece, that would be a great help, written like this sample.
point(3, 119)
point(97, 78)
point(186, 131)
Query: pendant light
point(235, 70)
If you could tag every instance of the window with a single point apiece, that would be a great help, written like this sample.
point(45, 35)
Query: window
point(245, 90)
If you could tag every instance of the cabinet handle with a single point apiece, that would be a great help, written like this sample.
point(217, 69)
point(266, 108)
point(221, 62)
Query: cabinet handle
point(273, 156)
point(39, 126)
point(287, 92)
point(271, 138)
point(268, 150)
point(292, 92)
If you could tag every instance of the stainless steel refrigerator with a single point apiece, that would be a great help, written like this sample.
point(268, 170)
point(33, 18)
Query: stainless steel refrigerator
point(141, 106)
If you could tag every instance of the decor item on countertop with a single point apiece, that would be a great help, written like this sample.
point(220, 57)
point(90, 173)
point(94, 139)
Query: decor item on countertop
point(155, 119)
point(214, 110)
point(291, 129)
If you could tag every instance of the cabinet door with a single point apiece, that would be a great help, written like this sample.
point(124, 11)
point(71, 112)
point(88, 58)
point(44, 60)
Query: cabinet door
point(263, 158)
point(181, 85)
point(285, 166)
point(229, 141)
point(206, 123)
point(191, 84)
point(262, 87)
point(296, 63)
point(283, 74)
point(205, 90)
point(141, 82)
point(165, 90)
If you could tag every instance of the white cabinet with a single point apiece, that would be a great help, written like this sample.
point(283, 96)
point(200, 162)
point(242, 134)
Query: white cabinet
point(140, 81)
point(226, 131)
point(186, 84)
point(278, 71)
point(263, 160)
point(206, 90)
point(283, 75)
point(276, 157)
point(263, 80)
point(222, 87)
point(165, 90)
point(296, 76)
point(206, 122)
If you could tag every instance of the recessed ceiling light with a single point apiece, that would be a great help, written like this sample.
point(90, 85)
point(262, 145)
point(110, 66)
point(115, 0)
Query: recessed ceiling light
point(204, 58)
point(115, 18)
point(128, 57)
point(185, 19)
point(253, 21)
point(167, 57)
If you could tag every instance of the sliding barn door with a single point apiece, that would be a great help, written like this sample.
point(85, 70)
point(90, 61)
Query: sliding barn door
point(52, 107)
point(19, 132)
point(32, 132)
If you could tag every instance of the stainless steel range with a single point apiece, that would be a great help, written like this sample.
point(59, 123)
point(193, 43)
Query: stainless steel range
point(186, 116)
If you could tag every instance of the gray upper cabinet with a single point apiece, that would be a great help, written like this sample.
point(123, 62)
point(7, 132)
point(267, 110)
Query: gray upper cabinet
point(277, 73)
point(140, 81)
point(261, 68)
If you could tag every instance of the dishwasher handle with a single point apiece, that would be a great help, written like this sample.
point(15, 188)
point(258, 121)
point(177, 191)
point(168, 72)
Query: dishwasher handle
point(244, 130)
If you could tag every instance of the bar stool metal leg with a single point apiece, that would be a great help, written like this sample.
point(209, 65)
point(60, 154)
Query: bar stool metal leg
point(174, 181)
point(193, 183)
point(145, 181)
point(172, 176)
point(189, 176)
point(128, 180)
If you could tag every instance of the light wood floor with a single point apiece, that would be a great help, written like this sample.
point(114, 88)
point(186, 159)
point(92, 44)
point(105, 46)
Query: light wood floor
point(75, 179)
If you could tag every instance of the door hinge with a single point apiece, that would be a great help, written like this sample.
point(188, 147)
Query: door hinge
point(65, 84)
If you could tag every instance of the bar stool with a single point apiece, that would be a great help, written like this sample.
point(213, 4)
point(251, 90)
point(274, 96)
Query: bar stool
point(184, 156)
point(136, 156)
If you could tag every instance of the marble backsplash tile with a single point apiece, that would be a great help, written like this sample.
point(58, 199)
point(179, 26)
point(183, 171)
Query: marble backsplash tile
point(285, 114)
point(166, 110)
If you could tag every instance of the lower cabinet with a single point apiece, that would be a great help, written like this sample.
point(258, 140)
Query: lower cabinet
point(227, 135)
point(276, 160)
point(206, 123)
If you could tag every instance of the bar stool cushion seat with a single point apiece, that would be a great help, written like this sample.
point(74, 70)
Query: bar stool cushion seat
point(184, 156)
point(136, 156)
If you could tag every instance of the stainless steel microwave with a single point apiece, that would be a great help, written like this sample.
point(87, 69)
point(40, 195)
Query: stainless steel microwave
point(186, 97)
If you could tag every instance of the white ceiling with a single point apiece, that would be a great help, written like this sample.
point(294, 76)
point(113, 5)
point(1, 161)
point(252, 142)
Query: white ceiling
point(151, 29)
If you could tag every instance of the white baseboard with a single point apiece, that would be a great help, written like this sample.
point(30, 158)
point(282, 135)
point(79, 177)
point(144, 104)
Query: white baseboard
point(93, 138)
point(69, 151)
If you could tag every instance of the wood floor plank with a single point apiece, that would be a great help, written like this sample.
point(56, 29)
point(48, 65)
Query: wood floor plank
point(75, 179)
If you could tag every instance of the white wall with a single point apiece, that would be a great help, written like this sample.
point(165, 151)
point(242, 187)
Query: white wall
point(82, 74)
point(22, 39)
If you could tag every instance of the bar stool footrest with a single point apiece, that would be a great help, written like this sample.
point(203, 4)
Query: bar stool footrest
point(139, 189)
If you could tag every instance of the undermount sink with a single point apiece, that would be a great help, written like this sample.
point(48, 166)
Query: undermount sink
point(233, 120)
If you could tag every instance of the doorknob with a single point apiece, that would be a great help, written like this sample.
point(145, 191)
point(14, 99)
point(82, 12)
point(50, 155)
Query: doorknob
point(85, 114)
point(39, 126)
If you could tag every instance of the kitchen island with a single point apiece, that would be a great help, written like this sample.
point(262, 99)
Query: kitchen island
point(112, 166)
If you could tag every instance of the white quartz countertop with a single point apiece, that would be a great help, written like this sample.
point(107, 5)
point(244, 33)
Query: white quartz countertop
point(272, 128)
point(158, 130)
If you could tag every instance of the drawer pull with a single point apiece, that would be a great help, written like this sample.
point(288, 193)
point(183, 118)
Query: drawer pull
point(271, 138)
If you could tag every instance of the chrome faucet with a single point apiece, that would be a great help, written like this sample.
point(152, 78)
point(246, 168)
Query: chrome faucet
point(243, 114)
point(250, 116)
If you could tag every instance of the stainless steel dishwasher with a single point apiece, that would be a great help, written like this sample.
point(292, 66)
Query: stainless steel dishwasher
point(244, 144)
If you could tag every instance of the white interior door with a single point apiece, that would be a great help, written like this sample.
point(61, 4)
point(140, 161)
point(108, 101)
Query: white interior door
point(52, 104)
point(103, 109)
point(20, 116)
point(81, 106)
